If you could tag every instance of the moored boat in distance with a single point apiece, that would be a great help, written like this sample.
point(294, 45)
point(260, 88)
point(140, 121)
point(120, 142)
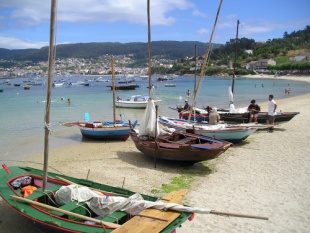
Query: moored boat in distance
point(124, 87)
point(135, 101)
point(164, 78)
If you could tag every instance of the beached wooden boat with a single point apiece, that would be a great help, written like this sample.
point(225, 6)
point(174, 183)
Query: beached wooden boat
point(239, 117)
point(225, 132)
point(180, 146)
point(48, 211)
point(280, 117)
point(107, 130)
point(135, 101)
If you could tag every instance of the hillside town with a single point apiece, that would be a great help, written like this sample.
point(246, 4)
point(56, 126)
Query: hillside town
point(102, 66)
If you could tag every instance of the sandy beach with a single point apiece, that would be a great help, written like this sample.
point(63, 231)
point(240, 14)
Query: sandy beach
point(268, 175)
point(300, 78)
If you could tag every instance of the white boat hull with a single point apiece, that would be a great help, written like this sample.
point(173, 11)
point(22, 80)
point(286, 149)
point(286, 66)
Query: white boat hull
point(231, 134)
point(136, 101)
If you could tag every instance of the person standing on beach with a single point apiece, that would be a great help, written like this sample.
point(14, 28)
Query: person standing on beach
point(272, 106)
point(253, 109)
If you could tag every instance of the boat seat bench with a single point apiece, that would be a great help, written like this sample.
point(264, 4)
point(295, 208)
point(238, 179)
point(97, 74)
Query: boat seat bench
point(39, 192)
point(74, 208)
point(81, 209)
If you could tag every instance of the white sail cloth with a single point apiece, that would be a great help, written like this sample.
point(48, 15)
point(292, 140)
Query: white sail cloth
point(232, 108)
point(148, 124)
point(106, 205)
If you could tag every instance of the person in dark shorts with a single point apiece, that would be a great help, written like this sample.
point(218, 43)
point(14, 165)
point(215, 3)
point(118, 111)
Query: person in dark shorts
point(253, 109)
point(272, 106)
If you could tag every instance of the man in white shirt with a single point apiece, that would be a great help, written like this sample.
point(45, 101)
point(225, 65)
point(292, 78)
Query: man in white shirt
point(272, 106)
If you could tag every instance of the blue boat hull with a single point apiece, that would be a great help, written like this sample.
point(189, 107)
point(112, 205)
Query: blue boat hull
point(106, 133)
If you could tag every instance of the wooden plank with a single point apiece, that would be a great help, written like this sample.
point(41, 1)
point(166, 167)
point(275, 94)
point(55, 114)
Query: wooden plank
point(168, 145)
point(186, 140)
point(140, 224)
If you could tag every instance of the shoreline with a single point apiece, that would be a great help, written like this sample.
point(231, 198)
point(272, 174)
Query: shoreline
point(305, 78)
point(266, 175)
point(301, 78)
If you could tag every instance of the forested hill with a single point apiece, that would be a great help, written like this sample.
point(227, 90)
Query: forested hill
point(168, 49)
point(10, 53)
point(272, 48)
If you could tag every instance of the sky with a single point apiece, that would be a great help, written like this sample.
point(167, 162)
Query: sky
point(25, 23)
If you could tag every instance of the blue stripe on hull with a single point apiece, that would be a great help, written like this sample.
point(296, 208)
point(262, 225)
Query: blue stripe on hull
point(101, 133)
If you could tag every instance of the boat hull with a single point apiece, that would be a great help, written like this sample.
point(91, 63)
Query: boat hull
point(262, 117)
point(230, 134)
point(124, 87)
point(189, 153)
point(134, 104)
point(106, 133)
point(55, 221)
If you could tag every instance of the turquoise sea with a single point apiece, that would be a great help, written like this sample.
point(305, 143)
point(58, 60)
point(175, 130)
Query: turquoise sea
point(22, 111)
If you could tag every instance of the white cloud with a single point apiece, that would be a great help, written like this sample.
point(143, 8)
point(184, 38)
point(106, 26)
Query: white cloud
point(33, 12)
point(202, 31)
point(10, 42)
point(25, 16)
point(199, 14)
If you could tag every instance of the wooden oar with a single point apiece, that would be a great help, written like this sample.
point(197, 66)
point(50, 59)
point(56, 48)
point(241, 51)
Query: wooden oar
point(108, 224)
point(238, 215)
point(212, 212)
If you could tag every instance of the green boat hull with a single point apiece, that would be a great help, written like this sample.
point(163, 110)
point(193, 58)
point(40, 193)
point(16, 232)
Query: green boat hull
point(54, 221)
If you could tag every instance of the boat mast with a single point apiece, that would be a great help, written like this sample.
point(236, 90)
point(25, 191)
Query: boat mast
point(150, 71)
point(205, 61)
point(236, 45)
point(113, 89)
point(195, 65)
point(50, 75)
point(149, 45)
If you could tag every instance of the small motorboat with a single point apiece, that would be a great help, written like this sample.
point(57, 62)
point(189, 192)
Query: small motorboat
point(136, 101)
